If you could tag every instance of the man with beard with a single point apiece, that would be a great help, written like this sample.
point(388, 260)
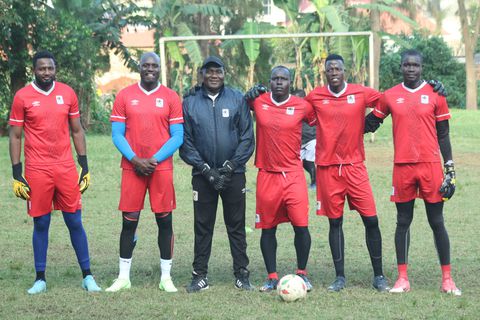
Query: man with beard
point(147, 128)
point(47, 111)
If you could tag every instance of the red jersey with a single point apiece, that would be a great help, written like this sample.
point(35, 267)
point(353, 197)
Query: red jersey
point(414, 116)
point(340, 122)
point(279, 132)
point(44, 115)
point(147, 116)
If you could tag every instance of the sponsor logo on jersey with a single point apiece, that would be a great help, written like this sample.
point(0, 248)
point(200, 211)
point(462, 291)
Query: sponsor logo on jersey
point(134, 102)
point(59, 99)
point(36, 104)
point(225, 113)
point(257, 218)
point(319, 205)
point(159, 103)
point(351, 99)
point(424, 99)
point(400, 100)
point(265, 106)
point(195, 195)
point(290, 110)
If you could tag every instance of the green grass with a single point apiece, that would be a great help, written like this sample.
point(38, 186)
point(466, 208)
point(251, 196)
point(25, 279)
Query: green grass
point(65, 299)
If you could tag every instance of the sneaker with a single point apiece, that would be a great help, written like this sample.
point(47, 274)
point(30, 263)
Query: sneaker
point(119, 284)
point(401, 285)
point(167, 285)
point(198, 284)
point(448, 286)
point(308, 284)
point(39, 286)
point(242, 281)
point(380, 283)
point(337, 285)
point(90, 285)
point(269, 285)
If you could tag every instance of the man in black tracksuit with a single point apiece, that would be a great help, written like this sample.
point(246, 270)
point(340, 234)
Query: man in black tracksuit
point(218, 141)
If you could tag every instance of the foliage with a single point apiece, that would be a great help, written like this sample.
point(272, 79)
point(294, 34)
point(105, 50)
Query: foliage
point(438, 61)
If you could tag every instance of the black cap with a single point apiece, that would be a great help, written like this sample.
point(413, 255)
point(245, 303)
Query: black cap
point(212, 60)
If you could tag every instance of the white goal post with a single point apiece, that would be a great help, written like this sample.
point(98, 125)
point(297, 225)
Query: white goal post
point(268, 36)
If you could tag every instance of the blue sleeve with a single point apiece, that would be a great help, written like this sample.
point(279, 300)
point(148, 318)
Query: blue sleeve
point(119, 140)
point(172, 144)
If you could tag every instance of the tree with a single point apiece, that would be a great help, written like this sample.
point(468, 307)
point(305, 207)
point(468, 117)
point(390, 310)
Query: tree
point(470, 22)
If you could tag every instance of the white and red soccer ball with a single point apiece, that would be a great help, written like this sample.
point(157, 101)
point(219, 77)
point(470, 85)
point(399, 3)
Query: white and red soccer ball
point(291, 288)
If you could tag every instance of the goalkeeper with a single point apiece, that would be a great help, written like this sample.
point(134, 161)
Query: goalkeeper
point(420, 129)
point(47, 111)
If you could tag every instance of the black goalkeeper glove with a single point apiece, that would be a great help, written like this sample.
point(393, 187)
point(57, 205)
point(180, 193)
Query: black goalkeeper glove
point(448, 186)
point(227, 169)
point(21, 188)
point(438, 87)
point(214, 178)
point(84, 179)
point(255, 91)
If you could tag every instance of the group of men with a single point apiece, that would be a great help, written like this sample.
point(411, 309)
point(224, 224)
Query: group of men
point(214, 131)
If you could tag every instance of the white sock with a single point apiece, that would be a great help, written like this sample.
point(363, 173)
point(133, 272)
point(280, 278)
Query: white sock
point(165, 266)
point(124, 266)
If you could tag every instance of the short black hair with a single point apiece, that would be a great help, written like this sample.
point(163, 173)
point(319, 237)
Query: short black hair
point(41, 55)
point(281, 67)
point(334, 56)
point(411, 52)
point(299, 93)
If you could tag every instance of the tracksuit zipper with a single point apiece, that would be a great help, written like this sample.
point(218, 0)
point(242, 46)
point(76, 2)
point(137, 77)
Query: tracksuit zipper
point(214, 134)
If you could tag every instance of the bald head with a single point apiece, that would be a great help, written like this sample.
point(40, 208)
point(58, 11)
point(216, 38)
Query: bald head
point(148, 55)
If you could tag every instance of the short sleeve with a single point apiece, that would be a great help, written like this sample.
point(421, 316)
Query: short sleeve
point(309, 116)
point(441, 109)
point(119, 113)
point(17, 113)
point(176, 113)
point(73, 112)
point(381, 110)
point(372, 97)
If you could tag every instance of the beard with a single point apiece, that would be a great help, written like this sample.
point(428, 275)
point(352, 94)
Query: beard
point(44, 83)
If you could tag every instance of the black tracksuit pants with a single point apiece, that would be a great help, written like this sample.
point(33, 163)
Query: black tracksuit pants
point(205, 201)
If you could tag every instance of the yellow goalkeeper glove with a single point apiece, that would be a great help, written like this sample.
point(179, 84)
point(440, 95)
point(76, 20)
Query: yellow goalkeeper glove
point(21, 188)
point(84, 179)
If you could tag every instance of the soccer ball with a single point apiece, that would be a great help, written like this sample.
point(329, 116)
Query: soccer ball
point(291, 288)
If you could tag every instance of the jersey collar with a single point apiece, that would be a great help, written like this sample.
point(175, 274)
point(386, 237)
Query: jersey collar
point(45, 93)
point(279, 103)
point(149, 92)
point(336, 95)
point(416, 89)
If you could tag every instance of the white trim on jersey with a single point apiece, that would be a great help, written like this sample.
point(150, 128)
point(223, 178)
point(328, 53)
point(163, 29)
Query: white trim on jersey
point(73, 113)
point(149, 92)
point(279, 103)
point(378, 111)
point(118, 117)
point(442, 115)
point(45, 93)
point(175, 119)
point(15, 120)
point(336, 95)
point(416, 89)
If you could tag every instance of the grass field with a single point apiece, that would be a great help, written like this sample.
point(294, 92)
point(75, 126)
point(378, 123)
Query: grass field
point(66, 300)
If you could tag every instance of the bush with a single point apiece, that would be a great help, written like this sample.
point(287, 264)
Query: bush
point(439, 63)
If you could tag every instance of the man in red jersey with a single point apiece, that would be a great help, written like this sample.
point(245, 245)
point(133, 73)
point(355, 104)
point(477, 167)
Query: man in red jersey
point(147, 128)
point(47, 111)
point(341, 173)
point(281, 186)
point(420, 135)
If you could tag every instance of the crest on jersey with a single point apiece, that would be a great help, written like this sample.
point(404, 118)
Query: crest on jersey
point(290, 110)
point(351, 99)
point(400, 100)
point(159, 103)
point(36, 104)
point(424, 99)
point(265, 106)
point(134, 102)
point(225, 113)
point(59, 99)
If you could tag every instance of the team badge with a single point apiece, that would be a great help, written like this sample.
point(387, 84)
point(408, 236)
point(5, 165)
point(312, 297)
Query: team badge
point(134, 102)
point(351, 99)
point(225, 113)
point(424, 99)
point(195, 195)
point(59, 99)
point(159, 103)
point(36, 104)
point(400, 100)
point(257, 218)
point(290, 110)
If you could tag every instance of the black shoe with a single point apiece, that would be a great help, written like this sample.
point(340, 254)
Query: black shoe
point(198, 284)
point(337, 285)
point(380, 283)
point(242, 281)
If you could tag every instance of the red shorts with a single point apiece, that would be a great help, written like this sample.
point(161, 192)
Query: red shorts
point(417, 180)
point(281, 197)
point(53, 183)
point(160, 191)
point(336, 182)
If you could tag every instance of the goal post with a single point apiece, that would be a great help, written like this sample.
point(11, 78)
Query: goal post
point(163, 40)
